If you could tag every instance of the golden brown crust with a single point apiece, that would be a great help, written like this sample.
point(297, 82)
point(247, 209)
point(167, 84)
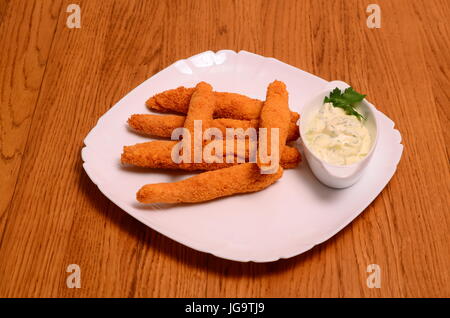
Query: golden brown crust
point(290, 157)
point(157, 154)
point(225, 179)
point(243, 178)
point(172, 100)
point(156, 125)
point(237, 106)
point(163, 125)
point(228, 105)
point(275, 114)
point(201, 107)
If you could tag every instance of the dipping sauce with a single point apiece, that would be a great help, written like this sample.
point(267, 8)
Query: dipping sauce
point(337, 138)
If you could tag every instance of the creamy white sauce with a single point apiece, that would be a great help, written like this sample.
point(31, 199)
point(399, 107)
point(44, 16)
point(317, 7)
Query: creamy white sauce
point(337, 138)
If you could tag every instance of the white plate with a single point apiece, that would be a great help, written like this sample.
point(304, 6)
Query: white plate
point(282, 221)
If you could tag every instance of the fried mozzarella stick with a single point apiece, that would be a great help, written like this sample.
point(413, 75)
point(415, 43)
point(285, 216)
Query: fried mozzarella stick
point(228, 105)
point(163, 125)
point(274, 114)
point(243, 178)
point(158, 154)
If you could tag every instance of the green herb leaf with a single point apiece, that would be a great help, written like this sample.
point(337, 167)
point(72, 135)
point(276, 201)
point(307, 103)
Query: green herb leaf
point(347, 100)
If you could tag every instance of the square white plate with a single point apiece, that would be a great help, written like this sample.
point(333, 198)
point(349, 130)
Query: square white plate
point(282, 221)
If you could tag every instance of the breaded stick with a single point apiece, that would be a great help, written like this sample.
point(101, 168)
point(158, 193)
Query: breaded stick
point(163, 125)
point(201, 107)
point(228, 105)
point(172, 100)
point(290, 158)
point(274, 114)
point(198, 119)
point(293, 131)
point(157, 154)
point(232, 105)
point(156, 125)
point(243, 178)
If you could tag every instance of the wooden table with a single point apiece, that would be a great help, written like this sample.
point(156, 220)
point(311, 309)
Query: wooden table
point(56, 82)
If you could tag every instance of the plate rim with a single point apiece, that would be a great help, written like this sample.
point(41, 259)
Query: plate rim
point(192, 243)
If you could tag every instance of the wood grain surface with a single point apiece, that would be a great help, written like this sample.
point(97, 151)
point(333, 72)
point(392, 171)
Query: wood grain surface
point(55, 83)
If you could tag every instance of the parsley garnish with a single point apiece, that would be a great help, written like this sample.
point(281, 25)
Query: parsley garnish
point(346, 100)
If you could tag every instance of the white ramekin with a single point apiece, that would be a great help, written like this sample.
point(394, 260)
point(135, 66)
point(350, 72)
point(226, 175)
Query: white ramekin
point(337, 176)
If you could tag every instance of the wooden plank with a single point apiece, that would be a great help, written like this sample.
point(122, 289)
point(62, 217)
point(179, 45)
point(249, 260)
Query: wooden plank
point(26, 34)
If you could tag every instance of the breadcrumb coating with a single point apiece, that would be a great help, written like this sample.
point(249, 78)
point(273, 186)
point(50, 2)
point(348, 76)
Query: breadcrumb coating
point(163, 125)
point(157, 154)
point(215, 110)
point(243, 178)
point(228, 105)
point(274, 114)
